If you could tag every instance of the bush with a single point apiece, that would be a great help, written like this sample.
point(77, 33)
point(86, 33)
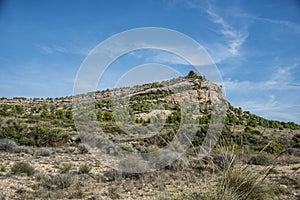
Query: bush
point(132, 167)
point(83, 148)
point(274, 148)
point(70, 149)
point(84, 169)
point(7, 145)
point(114, 192)
point(65, 167)
point(60, 181)
point(290, 181)
point(23, 149)
point(248, 129)
point(224, 160)
point(43, 152)
point(260, 159)
point(3, 167)
point(22, 168)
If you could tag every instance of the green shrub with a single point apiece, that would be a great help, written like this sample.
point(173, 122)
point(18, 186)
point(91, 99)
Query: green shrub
point(22, 168)
point(248, 129)
point(84, 169)
point(260, 159)
point(127, 147)
point(65, 167)
point(275, 148)
point(3, 167)
point(60, 181)
point(63, 181)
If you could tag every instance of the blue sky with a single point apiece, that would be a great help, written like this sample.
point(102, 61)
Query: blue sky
point(255, 44)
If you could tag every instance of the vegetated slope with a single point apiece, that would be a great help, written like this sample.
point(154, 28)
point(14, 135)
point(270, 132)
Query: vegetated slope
point(50, 122)
point(249, 144)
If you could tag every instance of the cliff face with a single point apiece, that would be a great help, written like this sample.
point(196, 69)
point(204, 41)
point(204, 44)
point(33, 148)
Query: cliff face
point(193, 87)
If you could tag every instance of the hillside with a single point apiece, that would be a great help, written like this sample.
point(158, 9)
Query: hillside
point(47, 134)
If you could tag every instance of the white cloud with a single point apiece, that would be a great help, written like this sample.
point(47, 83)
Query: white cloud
point(50, 49)
point(235, 37)
point(289, 24)
point(273, 107)
point(276, 98)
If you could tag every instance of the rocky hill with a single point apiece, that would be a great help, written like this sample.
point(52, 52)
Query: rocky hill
point(45, 153)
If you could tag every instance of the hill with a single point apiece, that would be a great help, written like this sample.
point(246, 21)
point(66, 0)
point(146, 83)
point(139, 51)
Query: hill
point(51, 134)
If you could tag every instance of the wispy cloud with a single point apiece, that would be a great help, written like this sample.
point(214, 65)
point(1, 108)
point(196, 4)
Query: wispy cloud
point(281, 79)
point(235, 37)
point(276, 97)
point(50, 49)
point(289, 24)
point(273, 107)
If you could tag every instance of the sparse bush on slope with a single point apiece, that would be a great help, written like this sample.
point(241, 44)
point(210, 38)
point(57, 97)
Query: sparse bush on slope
point(22, 168)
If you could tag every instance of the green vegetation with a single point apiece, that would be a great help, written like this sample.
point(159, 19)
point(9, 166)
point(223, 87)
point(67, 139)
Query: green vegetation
point(22, 168)
point(65, 167)
point(84, 169)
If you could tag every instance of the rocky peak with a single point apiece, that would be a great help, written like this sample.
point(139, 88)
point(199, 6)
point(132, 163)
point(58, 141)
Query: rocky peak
point(192, 73)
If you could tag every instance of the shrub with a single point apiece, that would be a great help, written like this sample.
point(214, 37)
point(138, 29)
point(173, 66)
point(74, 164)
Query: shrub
point(22, 168)
point(43, 152)
point(63, 181)
point(290, 181)
point(293, 151)
point(248, 129)
point(84, 169)
point(224, 160)
point(70, 149)
point(296, 140)
point(83, 148)
point(132, 167)
point(3, 167)
point(65, 167)
point(114, 192)
point(23, 149)
point(127, 147)
point(275, 148)
point(60, 181)
point(7, 145)
point(260, 159)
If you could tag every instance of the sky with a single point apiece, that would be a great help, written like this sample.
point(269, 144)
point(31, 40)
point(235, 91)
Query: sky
point(255, 45)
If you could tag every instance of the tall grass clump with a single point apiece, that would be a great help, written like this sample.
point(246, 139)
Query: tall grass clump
point(243, 184)
point(237, 182)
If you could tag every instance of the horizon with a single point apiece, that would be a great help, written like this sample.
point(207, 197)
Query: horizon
point(255, 45)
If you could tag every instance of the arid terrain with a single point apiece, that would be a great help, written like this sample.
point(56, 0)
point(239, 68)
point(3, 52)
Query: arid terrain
point(44, 157)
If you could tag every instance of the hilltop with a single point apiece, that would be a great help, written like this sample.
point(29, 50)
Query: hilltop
point(42, 132)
